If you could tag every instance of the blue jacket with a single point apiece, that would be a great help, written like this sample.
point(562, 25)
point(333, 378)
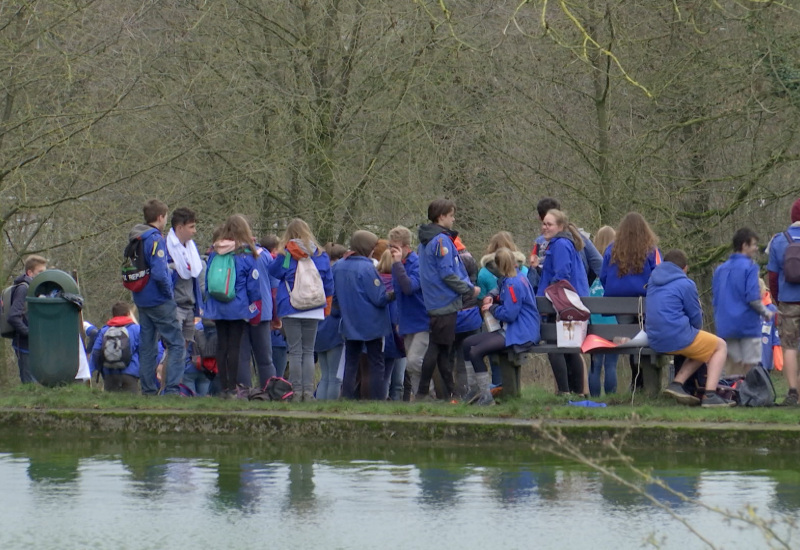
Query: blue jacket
point(328, 331)
point(96, 357)
point(769, 339)
point(673, 315)
point(787, 292)
point(412, 315)
point(362, 299)
point(265, 282)
point(284, 271)
point(631, 284)
point(443, 277)
point(734, 286)
point(247, 288)
point(159, 287)
point(563, 263)
point(517, 309)
point(592, 260)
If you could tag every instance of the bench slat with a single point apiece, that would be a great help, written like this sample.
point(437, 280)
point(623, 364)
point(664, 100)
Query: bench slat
point(548, 331)
point(601, 305)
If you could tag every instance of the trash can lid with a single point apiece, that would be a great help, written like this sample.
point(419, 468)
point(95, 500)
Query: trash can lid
point(51, 280)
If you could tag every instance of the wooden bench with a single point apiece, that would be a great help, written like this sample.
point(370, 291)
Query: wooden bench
point(510, 363)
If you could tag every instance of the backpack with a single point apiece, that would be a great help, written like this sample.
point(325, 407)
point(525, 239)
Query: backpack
point(135, 270)
point(221, 279)
point(6, 330)
point(205, 347)
point(308, 291)
point(279, 389)
point(791, 260)
point(756, 389)
point(116, 348)
point(566, 302)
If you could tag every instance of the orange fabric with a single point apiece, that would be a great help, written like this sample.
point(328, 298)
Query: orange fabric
point(328, 302)
point(459, 245)
point(295, 250)
point(702, 348)
point(658, 257)
point(777, 357)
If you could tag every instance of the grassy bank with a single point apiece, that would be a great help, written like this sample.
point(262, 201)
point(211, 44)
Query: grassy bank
point(535, 403)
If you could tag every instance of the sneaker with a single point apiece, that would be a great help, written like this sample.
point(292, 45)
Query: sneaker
point(790, 401)
point(675, 390)
point(714, 400)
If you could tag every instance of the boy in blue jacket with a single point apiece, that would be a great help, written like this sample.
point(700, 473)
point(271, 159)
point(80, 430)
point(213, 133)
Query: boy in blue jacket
point(673, 319)
point(118, 378)
point(737, 303)
point(362, 299)
point(158, 311)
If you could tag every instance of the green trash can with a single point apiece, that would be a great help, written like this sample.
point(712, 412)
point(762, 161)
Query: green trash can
point(53, 328)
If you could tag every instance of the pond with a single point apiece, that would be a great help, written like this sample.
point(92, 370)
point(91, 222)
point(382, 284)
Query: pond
point(108, 492)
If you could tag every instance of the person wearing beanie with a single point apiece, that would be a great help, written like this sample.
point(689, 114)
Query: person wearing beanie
point(786, 294)
point(362, 300)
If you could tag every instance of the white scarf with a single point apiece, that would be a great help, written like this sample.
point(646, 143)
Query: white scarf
point(185, 259)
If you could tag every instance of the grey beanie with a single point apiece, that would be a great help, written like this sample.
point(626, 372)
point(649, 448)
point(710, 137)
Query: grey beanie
point(362, 242)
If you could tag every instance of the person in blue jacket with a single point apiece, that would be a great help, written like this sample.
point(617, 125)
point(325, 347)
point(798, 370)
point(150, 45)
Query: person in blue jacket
point(517, 310)
point(627, 265)
point(231, 318)
point(158, 311)
point(562, 262)
point(673, 322)
point(329, 344)
point(738, 309)
point(300, 327)
point(118, 379)
point(363, 301)
point(413, 323)
point(256, 340)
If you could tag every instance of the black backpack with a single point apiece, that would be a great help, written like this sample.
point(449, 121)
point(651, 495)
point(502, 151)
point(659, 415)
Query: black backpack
point(791, 260)
point(135, 271)
point(756, 389)
point(116, 348)
point(279, 389)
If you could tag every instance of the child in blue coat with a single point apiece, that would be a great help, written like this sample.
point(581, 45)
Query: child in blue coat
point(232, 317)
point(517, 310)
point(125, 379)
point(362, 299)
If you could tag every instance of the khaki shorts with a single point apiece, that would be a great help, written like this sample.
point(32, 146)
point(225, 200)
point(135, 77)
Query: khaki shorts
point(702, 348)
point(789, 325)
point(744, 350)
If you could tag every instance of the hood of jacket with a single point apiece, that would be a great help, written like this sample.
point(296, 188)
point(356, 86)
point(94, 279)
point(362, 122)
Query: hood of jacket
point(23, 279)
point(427, 231)
point(224, 246)
point(140, 229)
point(297, 248)
point(564, 235)
point(665, 273)
point(490, 259)
point(120, 321)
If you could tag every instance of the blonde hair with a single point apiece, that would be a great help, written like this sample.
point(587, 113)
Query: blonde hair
point(605, 236)
point(400, 234)
point(503, 239)
point(562, 221)
point(385, 263)
point(506, 262)
point(238, 230)
point(298, 229)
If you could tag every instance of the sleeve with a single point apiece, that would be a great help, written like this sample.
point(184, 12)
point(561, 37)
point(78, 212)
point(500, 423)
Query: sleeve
point(96, 357)
point(534, 276)
point(16, 313)
point(253, 286)
point(561, 261)
point(159, 272)
point(774, 251)
point(604, 267)
point(327, 276)
point(510, 303)
point(691, 306)
point(486, 282)
point(276, 269)
point(752, 290)
point(405, 281)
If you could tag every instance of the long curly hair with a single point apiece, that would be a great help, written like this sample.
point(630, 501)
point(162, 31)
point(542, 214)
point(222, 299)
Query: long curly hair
point(635, 240)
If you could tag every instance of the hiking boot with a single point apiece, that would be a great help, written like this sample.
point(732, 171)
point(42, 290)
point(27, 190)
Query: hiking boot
point(676, 391)
point(791, 400)
point(714, 400)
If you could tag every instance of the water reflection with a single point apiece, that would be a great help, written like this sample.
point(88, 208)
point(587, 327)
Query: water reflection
point(350, 496)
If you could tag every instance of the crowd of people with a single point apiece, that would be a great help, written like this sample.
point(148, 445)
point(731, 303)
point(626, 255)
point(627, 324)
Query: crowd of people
point(386, 320)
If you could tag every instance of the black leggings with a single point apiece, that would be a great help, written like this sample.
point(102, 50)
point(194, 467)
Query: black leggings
point(478, 346)
point(229, 338)
point(568, 371)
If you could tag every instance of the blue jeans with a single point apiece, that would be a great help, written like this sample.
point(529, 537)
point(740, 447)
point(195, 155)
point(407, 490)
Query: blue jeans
point(329, 385)
point(161, 319)
point(301, 334)
point(600, 362)
point(256, 343)
point(197, 382)
point(23, 362)
point(279, 360)
point(396, 369)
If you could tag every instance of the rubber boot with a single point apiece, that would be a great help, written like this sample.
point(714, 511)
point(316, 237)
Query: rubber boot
point(484, 395)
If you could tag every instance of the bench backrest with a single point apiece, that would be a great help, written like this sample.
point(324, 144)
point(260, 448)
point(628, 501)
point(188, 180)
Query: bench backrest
point(603, 306)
